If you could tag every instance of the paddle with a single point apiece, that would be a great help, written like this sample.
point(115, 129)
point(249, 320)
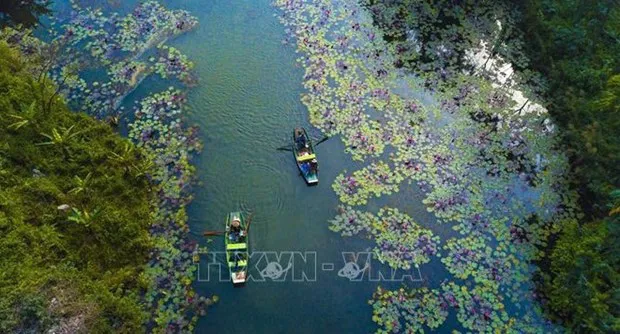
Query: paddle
point(284, 148)
point(321, 141)
point(212, 233)
point(288, 148)
point(247, 227)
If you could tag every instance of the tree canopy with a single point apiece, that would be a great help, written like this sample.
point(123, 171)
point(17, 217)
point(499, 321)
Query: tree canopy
point(575, 45)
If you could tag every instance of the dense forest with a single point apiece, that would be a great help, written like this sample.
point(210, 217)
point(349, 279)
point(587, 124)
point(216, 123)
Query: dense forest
point(565, 55)
point(575, 45)
point(74, 213)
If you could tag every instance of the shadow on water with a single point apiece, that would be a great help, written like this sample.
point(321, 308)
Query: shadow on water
point(23, 12)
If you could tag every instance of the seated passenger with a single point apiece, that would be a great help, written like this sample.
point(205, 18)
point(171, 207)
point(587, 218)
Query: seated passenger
point(301, 141)
point(235, 230)
point(235, 226)
point(305, 168)
point(314, 165)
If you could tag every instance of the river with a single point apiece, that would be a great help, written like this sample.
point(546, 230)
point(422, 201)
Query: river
point(246, 106)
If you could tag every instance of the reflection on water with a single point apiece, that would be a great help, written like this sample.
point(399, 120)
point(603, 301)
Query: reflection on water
point(20, 12)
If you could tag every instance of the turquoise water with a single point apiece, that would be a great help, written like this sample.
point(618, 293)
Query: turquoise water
point(246, 106)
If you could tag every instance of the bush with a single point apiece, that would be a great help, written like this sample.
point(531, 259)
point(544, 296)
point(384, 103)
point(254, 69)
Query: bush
point(74, 214)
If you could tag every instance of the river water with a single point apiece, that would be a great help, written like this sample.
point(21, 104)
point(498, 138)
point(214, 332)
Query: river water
point(247, 104)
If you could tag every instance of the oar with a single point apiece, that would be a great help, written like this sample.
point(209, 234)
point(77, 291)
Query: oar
point(284, 148)
point(247, 227)
point(212, 233)
point(322, 140)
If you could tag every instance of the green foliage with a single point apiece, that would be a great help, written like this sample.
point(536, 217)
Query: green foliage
point(575, 47)
point(74, 220)
point(584, 286)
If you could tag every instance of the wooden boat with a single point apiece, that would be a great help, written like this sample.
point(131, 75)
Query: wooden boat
point(305, 157)
point(237, 255)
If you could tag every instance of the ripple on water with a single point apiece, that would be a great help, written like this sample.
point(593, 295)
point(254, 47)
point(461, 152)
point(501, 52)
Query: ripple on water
point(262, 192)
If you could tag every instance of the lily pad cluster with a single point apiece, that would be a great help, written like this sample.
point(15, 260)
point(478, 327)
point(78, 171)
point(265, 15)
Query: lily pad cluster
point(483, 165)
point(376, 179)
point(472, 257)
point(479, 309)
point(84, 41)
point(399, 240)
point(170, 62)
point(158, 129)
point(408, 311)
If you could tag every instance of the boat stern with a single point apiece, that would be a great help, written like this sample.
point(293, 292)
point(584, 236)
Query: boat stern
point(239, 277)
point(312, 180)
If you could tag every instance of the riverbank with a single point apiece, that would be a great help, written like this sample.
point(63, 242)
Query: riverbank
point(98, 60)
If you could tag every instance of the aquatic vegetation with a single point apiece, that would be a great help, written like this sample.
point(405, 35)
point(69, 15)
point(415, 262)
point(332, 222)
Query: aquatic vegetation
point(479, 309)
point(482, 163)
point(151, 24)
point(172, 63)
point(416, 309)
point(86, 40)
point(377, 179)
point(400, 241)
point(350, 222)
point(496, 268)
point(158, 129)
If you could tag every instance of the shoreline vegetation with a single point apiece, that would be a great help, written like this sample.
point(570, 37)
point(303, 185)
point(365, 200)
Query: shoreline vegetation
point(74, 220)
point(489, 164)
point(157, 295)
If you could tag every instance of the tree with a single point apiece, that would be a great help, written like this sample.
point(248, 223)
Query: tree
point(584, 286)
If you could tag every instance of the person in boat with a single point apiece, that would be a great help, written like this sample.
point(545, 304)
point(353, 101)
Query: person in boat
point(304, 151)
point(235, 229)
point(300, 139)
point(314, 166)
point(305, 168)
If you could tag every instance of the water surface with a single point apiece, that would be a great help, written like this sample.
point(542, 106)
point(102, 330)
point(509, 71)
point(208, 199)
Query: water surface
point(246, 106)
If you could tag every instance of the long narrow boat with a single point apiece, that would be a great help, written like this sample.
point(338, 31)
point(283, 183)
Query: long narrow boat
point(236, 241)
point(305, 156)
